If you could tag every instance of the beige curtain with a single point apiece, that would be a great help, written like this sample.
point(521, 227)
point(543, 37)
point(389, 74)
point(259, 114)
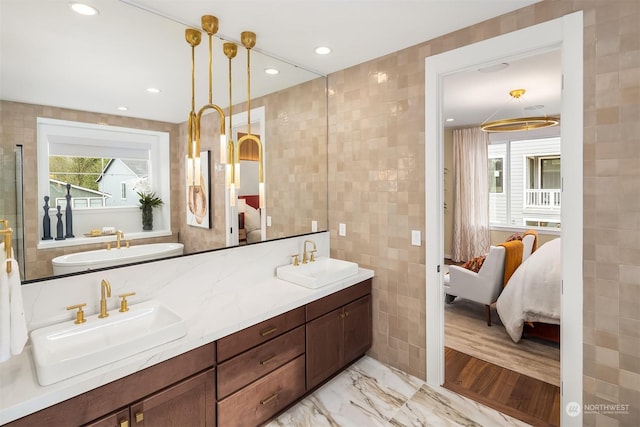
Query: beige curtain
point(471, 194)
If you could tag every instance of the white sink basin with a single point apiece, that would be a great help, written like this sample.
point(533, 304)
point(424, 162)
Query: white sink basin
point(63, 350)
point(317, 274)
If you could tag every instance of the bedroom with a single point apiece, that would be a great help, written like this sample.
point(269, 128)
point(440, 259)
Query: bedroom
point(522, 193)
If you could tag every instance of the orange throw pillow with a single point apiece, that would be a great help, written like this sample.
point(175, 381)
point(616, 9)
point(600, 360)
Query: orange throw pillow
point(474, 264)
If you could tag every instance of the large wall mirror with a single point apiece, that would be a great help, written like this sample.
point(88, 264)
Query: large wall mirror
point(61, 66)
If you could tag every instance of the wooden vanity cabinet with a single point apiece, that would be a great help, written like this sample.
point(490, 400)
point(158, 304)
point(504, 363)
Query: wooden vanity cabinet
point(188, 403)
point(338, 331)
point(155, 384)
point(262, 370)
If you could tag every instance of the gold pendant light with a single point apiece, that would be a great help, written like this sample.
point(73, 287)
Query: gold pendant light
point(192, 37)
point(248, 40)
point(518, 123)
point(230, 50)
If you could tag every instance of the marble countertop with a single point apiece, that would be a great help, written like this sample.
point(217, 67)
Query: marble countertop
point(211, 312)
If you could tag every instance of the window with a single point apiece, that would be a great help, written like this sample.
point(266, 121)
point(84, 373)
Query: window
point(524, 183)
point(495, 174)
point(99, 167)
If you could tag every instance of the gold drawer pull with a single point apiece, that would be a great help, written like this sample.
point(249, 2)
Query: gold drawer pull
point(139, 417)
point(124, 423)
point(268, 359)
point(269, 399)
point(346, 314)
point(342, 315)
point(268, 331)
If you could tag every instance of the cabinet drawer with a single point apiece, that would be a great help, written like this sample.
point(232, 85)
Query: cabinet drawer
point(245, 368)
point(331, 302)
point(266, 397)
point(245, 339)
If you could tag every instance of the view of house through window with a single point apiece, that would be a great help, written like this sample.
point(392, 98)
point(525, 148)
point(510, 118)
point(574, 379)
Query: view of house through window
point(95, 181)
point(524, 183)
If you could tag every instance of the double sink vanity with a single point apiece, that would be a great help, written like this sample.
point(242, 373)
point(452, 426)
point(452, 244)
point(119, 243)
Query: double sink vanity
point(237, 354)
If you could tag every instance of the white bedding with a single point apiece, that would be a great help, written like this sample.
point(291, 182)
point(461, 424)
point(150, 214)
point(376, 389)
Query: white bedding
point(533, 291)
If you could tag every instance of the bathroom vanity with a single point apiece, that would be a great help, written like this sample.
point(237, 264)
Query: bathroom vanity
point(242, 378)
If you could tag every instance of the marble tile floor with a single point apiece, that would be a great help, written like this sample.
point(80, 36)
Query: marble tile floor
point(369, 394)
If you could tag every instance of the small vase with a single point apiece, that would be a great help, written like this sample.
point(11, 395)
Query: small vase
point(147, 218)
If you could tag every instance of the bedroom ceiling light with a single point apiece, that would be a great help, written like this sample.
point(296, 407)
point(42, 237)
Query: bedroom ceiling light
point(248, 39)
point(519, 123)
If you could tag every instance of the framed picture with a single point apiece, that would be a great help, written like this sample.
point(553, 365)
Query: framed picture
point(199, 195)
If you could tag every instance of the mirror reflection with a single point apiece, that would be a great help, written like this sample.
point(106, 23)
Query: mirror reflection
point(292, 126)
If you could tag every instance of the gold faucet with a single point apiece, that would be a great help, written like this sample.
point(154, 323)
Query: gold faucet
point(105, 292)
point(304, 253)
point(119, 235)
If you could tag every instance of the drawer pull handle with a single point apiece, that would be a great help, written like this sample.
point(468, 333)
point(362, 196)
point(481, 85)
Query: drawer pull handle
point(346, 314)
point(268, 359)
point(139, 417)
point(269, 399)
point(124, 423)
point(342, 315)
point(268, 331)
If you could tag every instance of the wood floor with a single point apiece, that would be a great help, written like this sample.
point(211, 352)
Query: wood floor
point(466, 330)
point(528, 399)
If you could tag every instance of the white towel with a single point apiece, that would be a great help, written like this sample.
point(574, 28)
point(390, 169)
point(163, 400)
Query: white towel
point(13, 325)
point(19, 333)
point(5, 315)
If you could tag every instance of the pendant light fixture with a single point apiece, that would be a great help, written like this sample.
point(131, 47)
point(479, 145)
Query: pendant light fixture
point(192, 37)
point(230, 50)
point(248, 40)
point(519, 123)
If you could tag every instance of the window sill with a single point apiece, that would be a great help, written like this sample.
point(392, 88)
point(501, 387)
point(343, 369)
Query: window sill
point(82, 240)
point(520, 229)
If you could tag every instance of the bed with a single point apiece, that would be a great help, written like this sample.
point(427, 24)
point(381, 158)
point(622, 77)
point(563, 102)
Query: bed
point(532, 294)
point(251, 218)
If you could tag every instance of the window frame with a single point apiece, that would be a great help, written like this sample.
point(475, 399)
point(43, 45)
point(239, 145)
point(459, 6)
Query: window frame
point(507, 139)
point(109, 141)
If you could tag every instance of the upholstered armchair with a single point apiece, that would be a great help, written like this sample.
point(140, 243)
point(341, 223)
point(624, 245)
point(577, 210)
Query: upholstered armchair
point(483, 287)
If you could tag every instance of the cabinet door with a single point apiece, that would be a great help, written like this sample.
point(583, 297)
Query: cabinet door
point(324, 347)
point(188, 403)
point(357, 329)
point(117, 419)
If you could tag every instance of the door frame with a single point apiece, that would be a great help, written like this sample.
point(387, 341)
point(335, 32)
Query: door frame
point(566, 34)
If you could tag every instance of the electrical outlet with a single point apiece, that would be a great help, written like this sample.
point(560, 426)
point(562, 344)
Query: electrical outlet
point(342, 229)
point(268, 220)
point(314, 226)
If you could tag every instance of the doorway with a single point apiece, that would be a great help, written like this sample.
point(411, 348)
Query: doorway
point(565, 34)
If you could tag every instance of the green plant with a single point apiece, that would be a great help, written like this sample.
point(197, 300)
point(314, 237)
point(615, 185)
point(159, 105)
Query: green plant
point(150, 199)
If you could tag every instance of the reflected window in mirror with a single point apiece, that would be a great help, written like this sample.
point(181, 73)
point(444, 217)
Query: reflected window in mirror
point(103, 168)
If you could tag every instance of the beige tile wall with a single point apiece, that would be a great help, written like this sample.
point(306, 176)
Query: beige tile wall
point(376, 181)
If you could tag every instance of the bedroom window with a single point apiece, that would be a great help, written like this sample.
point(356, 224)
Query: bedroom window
point(495, 174)
point(524, 183)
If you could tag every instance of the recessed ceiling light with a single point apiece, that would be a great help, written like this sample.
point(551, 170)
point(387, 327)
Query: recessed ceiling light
point(323, 50)
point(271, 71)
point(450, 120)
point(153, 90)
point(493, 68)
point(83, 9)
point(122, 108)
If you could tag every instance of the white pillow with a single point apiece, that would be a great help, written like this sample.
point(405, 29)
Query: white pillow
point(251, 219)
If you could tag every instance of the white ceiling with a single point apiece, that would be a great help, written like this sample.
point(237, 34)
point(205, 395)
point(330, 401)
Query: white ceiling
point(52, 56)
